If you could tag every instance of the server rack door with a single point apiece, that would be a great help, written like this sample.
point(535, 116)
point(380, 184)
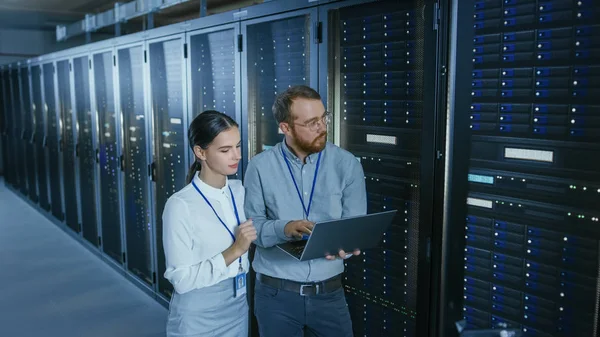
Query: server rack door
point(85, 149)
point(169, 168)
point(11, 132)
point(40, 137)
point(4, 127)
point(279, 53)
point(18, 124)
point(67, 144)
point(214, 73)
point(381, 66)
point(28, 125)
point(134, 163)
point(108, 155)
point(532, 252)
point(6, 158)
point(52, 141)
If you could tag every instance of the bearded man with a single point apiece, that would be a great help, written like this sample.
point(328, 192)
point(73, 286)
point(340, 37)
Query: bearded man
point(300, 181)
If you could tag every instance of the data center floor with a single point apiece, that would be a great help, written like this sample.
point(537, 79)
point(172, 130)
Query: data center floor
point(52, 286)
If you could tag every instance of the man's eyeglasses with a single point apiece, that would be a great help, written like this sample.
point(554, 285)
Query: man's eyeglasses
point(314, 124)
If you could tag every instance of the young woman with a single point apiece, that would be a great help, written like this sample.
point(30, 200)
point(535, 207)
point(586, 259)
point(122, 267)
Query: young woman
point(206, 236)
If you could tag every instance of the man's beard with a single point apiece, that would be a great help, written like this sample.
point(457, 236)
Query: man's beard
point(317, 145)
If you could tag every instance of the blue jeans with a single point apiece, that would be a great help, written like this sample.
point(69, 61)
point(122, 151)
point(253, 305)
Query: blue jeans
point(284, 313)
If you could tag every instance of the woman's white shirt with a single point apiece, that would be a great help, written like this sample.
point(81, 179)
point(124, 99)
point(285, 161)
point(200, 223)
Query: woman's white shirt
point(194, 238)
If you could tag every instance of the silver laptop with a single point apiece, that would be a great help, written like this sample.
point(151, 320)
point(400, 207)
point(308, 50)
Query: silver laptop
point(328, 237)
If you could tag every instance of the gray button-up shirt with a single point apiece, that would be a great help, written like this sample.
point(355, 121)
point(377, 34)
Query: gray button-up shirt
point(272, 201)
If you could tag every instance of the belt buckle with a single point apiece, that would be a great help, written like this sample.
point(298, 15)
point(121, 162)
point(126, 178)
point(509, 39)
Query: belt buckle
point(302, 286)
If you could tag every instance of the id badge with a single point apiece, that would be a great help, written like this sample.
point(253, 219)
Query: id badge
point(239, 285)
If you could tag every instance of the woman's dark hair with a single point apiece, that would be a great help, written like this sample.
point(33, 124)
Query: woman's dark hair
point(203, 130)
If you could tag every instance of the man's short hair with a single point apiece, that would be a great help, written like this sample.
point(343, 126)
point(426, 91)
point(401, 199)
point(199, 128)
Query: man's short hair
point(283, 101)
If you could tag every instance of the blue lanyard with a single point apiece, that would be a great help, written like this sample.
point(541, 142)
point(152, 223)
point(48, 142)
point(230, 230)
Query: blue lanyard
point(306, 210)
point(218, 217)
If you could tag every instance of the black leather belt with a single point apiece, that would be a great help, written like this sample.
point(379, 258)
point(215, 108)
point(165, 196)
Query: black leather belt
point(304, 289)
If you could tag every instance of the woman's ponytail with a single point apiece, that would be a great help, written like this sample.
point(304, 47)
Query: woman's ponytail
point(193, 169)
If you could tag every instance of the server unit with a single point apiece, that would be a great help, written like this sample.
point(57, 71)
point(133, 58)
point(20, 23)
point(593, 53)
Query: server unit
point(28, 133)
point(279, 51)
point(67, 143)
point(4, 125)
point(85, 149)
point(214, 74)
point(379, 76)
point(169, 165)
point(19, 146)
point(532, 252)
point(108, 154)
point(39, 137)
point(52, 140)
point(135, 130)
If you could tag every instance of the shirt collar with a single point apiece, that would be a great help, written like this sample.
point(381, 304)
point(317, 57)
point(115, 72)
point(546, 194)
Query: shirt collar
point(312, 158)
point(210, 191)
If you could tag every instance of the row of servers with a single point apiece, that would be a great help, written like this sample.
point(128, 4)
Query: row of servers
point(532, 230)
point(97, 136)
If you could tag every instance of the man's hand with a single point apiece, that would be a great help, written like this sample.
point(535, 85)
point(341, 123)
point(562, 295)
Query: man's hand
point(343, 255)
point(297, 228)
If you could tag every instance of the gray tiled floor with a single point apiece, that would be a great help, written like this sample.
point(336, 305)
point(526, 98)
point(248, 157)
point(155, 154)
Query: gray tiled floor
point(52, 286)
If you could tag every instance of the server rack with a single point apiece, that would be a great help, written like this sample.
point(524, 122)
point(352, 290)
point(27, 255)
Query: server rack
point(67, 143)
point(39, 137)
point(278, 51)
point(137, 217)
point(379, 78)
point(166, 57)
point(213, 68)
point(532, 251)
point(52, 140)
point(28, 133)
point(4, 125)
point(108, 154)
point(85, 148)
point(19, 147)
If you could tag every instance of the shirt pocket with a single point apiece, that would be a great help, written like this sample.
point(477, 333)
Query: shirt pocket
point(326, 206)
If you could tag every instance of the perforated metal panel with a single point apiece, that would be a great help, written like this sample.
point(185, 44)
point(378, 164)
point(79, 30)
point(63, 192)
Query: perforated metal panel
point(110, 206)
point(28, 126)
point(85, 150)
point(68, 144)
point(40, 137)
point(137, 199)
point(213, 72)
point(52, 141)
point(533, 227)
point(278, 57)
point(377, 70)
point(166, 75)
